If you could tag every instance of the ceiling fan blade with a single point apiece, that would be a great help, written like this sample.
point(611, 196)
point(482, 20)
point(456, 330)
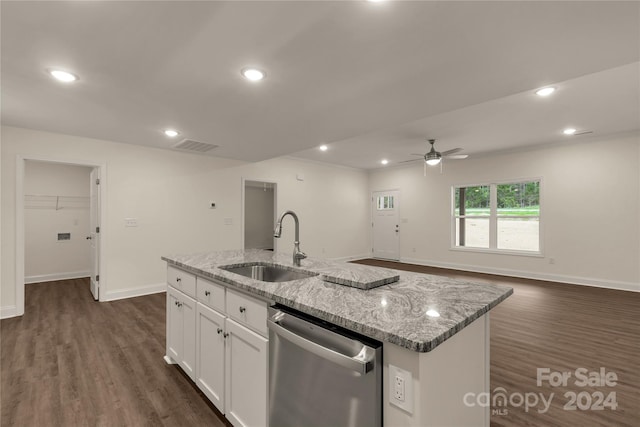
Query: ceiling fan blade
point(455, 150)
point(416, 154)
point(408, 161)
point(457, 156)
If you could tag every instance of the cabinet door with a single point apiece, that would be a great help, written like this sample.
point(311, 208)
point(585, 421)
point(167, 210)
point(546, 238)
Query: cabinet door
point(246, 390)
point(174, 325)
point(188, 359)
point(210, 354)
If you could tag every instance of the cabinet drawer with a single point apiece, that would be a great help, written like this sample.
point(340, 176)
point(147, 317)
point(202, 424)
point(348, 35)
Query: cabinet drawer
point(248, 311)
point(210, 294)
point(182, 281)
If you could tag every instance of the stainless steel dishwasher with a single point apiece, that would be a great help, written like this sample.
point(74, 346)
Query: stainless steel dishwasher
point(321, 374)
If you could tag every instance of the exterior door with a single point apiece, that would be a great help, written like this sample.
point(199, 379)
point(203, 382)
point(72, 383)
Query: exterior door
point(386, 225)
point(94, 237)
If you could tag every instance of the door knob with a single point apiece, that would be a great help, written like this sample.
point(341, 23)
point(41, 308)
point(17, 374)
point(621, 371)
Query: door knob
point(89, 237)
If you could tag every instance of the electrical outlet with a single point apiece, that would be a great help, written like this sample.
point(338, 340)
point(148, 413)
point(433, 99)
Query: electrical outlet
point(401, 388)
point(398, 388)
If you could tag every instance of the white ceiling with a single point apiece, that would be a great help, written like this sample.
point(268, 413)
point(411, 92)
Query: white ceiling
point(372, 80)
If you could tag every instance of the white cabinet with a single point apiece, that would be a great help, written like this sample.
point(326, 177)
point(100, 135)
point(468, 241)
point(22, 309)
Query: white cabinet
point(210, 354)
point(181, 330)
point(246, 376)
point(221, 342)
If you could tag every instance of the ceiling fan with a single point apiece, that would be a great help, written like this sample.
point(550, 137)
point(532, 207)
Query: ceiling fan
point(433, 157)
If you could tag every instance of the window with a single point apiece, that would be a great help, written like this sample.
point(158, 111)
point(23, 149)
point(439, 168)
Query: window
point(384, 203)
point(499, 216)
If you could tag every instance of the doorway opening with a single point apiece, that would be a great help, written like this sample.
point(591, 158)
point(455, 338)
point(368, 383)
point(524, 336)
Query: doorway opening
point(385, 224)
point(58, 235)
point(259, 211)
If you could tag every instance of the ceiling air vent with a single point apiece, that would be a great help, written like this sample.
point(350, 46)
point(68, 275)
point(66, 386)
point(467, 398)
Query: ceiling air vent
point(196, 146)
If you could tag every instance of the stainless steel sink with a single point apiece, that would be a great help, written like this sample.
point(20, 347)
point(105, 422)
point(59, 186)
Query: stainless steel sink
point(268, 272)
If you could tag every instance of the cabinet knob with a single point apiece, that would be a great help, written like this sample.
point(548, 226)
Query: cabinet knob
point(225, 334)
point(175, 303)
point(242, 309)
point(179, 304)
point(207, 293)
point(219, 331)
point(178, 279)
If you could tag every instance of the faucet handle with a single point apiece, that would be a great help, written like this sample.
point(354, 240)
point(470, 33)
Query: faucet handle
point(300, 255)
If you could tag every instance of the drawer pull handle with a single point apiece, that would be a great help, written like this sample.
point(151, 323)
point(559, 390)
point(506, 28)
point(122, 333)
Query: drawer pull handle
point(178, 279)
point(225, 335)
point(179, 304)
point(207, 293)
point(242, 309)
point(219, 331)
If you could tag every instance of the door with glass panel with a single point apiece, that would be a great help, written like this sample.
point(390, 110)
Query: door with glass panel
point(385, 224)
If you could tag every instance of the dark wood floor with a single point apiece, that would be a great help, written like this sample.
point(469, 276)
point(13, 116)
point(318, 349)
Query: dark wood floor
point(70, 361)
point(562, 327)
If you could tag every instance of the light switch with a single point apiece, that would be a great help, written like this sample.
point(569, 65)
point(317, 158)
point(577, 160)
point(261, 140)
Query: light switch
point(228, 221)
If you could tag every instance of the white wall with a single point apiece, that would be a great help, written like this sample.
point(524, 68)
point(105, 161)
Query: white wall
point(47, 258)
point(590, 211)
point(258, 217)
point(168, 193)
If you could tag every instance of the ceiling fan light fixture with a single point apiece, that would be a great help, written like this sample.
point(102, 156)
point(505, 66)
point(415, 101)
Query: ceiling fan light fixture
point(433, 162)
point(569, 131)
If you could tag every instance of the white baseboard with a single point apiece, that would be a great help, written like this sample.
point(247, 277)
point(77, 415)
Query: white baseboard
point(573, 280)
point(8, 311)
point(135, 292)
point(350, 258)
point(56, 276)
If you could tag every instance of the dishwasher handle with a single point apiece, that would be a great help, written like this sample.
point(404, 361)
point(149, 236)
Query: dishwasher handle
point(361, 363)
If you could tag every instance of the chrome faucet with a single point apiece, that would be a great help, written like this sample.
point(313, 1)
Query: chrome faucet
point(297, 253)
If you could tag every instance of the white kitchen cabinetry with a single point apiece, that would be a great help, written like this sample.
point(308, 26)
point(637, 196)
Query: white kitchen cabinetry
point(246, 376)
point(210, 354)
point(229, 345)
point(181, 330)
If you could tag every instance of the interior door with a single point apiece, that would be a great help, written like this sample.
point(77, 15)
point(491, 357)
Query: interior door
point(94, 226)
point(386, 225)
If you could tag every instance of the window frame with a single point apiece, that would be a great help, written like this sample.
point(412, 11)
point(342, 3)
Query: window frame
point(493, 218)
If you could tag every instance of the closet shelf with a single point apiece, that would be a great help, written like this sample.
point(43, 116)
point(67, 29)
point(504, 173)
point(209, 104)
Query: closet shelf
point(39, 201)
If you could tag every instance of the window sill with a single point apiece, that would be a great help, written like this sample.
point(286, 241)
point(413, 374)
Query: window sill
point(498, 252)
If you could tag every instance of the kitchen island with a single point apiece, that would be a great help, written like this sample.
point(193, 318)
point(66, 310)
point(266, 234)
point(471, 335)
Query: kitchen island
point(434, 329)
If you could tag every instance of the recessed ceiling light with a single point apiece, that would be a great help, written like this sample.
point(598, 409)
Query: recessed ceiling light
point(171, 133)
point(569, 131)
point(545, 91)
point(253, 74)
point(384, 161)
point(433, 313)
point(63, 76)
point(323, 148)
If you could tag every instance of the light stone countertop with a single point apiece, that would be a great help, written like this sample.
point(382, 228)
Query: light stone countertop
point(394, 313)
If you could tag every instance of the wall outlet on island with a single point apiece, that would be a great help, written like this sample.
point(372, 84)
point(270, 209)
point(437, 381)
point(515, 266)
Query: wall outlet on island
point(401, 388)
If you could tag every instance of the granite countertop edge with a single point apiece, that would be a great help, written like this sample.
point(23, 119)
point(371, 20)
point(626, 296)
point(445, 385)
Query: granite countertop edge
point(270, 292)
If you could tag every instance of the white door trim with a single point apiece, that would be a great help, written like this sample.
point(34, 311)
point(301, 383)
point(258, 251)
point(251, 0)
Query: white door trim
point(19, 212)
point(275, 208)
